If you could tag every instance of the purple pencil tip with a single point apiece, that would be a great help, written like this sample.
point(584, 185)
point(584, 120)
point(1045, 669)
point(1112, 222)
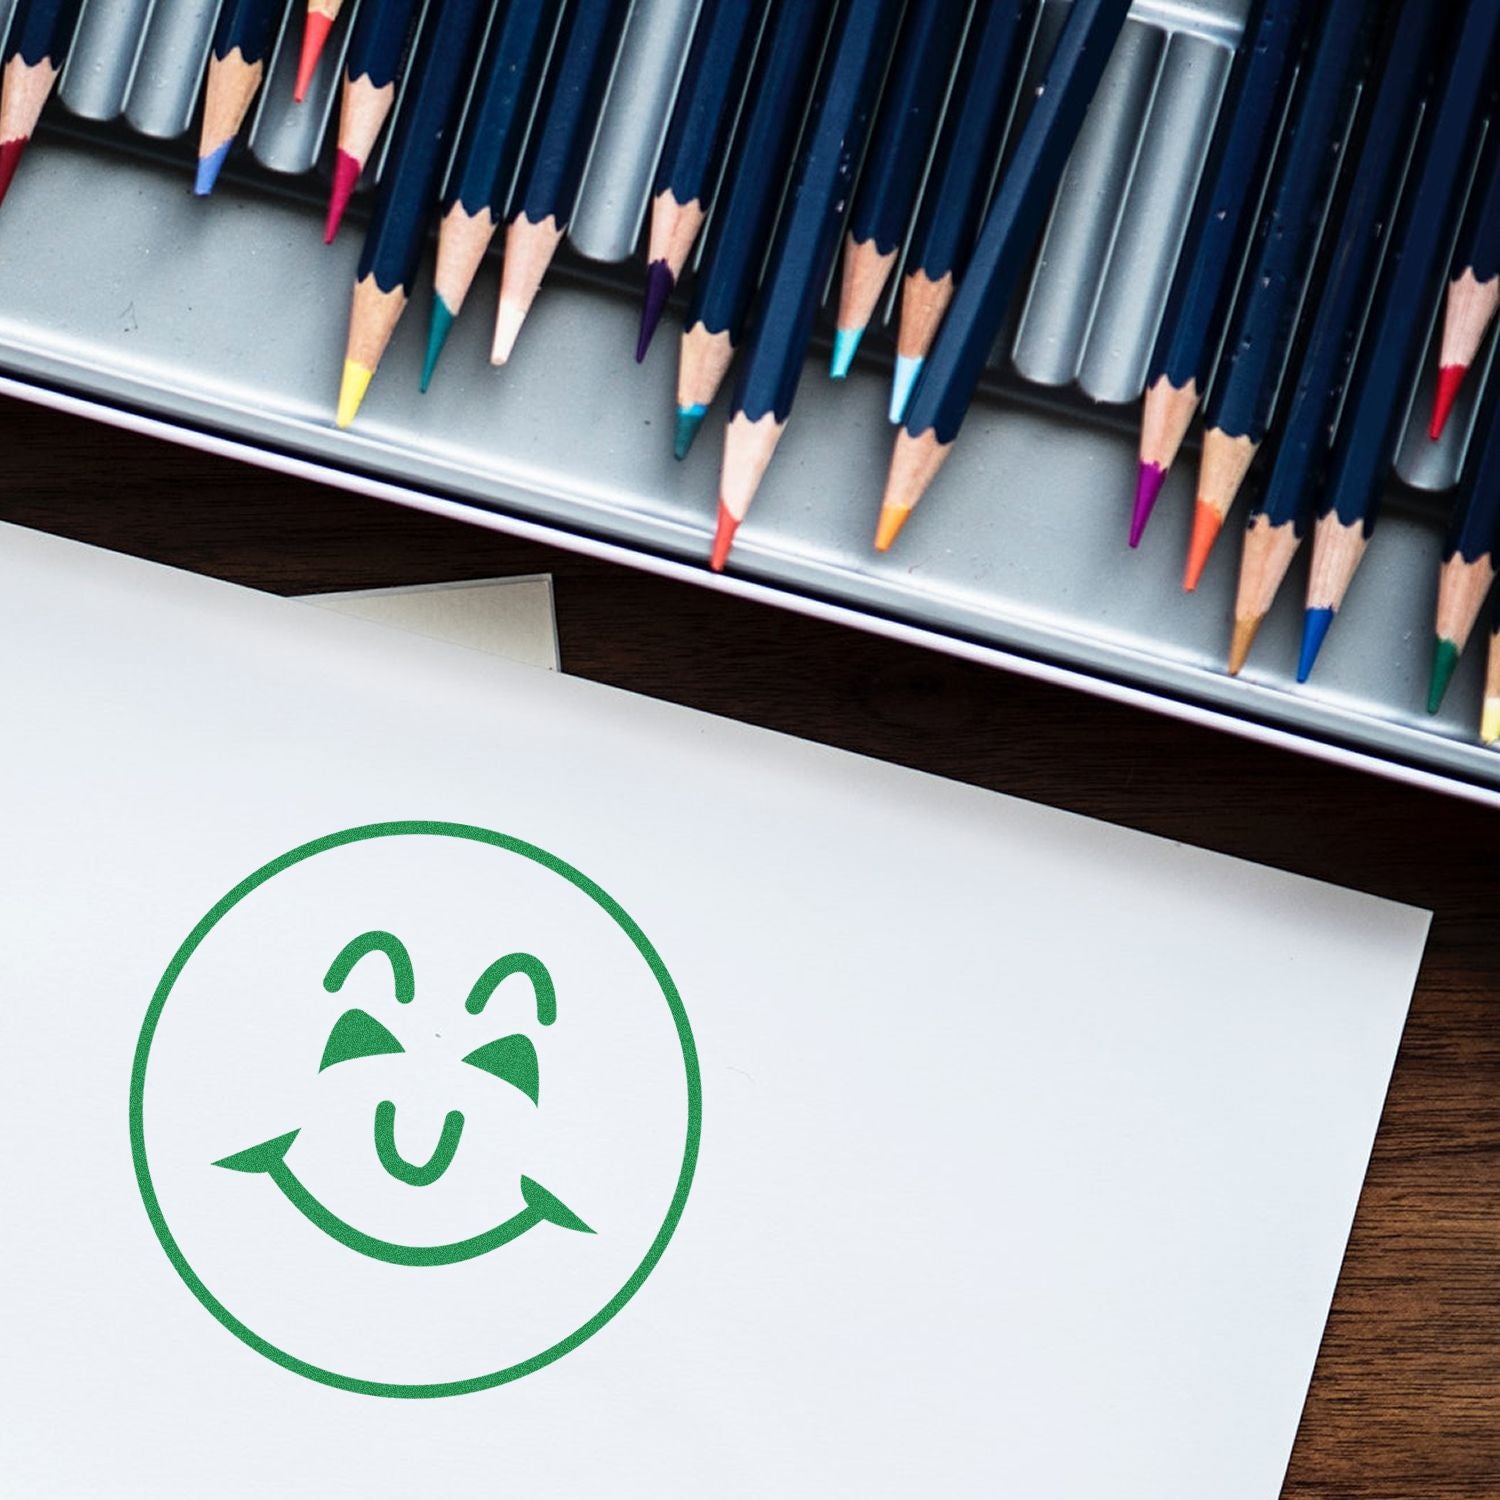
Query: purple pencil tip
point(1148, 482)
point(659, 284)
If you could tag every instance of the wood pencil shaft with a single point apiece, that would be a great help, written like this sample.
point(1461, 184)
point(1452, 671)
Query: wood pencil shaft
point(1265, 321)
point(1243, 142)
point(1364, 223)
point(703, 112)
point(735, 248)
point(905, 122)
point(1368, 433)
point(378, 41)
point(568, 111)
point(41, 31)
point(494, 130)
point(970, 141)
point(808, 236)
point(1013, 223)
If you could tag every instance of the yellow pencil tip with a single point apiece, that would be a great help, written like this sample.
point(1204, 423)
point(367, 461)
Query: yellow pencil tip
point(1489, 725)
point(1241, 642)
point(352, 390)
point(892, 519)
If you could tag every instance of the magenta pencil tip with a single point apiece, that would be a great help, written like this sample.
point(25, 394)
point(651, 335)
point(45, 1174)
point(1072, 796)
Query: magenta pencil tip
point(1148, 482)
point(659, 284)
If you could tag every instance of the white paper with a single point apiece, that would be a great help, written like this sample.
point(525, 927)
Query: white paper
point(1029, 1145)
point(509, 617)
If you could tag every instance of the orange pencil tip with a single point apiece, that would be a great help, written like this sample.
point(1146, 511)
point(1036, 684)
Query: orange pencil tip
point(892, 518)
point(314, 35)
point(1450, 380)
point(723, 538)
point(1206, 524)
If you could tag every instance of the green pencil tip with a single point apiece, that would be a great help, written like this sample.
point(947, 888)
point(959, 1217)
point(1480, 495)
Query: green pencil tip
point(1444, 660)
point(437, 336)
point(689, 420)
point(845, 343)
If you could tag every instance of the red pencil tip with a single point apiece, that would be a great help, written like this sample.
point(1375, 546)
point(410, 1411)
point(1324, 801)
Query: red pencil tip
point(314, 35)
point(723, 538)
point(346, 172)
point(1450, 379)
point(10, 157)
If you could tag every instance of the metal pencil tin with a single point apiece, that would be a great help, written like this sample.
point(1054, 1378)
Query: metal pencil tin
point(221, 324)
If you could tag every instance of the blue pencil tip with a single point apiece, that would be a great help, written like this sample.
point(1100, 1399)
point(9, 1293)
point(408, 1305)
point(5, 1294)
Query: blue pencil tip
point(209, 167)
point(1315, 625)
point(437, 336)
point(689, 420)
point(845, 343)
point(902, 384)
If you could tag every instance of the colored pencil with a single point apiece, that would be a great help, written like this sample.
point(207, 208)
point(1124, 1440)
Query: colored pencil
point(36, 46)
point(1264, 323)
point(377, 49)
point(489, 148)
point(1474, 291)
point(236, 65)
point(1280, 518)
point(408, 188)
point(892, 171)
point(964, 162)
point(1489, 724)
point(735, 248)
point(1213, 246)
point(1468, 567)
point(802, 258)
point(1007, 240)
point(692, 154)
point(547, 188)
point(321, 14)
point(1369, 430)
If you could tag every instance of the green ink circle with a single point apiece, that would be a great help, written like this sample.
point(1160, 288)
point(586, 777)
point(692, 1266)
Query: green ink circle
point(614, 911)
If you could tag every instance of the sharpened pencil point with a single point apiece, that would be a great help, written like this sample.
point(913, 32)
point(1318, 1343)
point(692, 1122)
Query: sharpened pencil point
point(1449, 382)
point(1489, 723)
point(689, 420)
point(1315, 625)
point(892, 518)
point(723, 538)
point(1206, 524)
point(437, 336)
point(352, 390)
point(845, 346)
point(208, 169)
point(1444, 660)
point(1241, 642)
point(314, 35)
point(1149, 479)
point(508, 320)
point(659, 284)
point(346, 172)
point(903, 382)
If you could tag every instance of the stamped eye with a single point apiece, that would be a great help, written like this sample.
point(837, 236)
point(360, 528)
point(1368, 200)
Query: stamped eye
point(512, 1059)
point(357, 1033)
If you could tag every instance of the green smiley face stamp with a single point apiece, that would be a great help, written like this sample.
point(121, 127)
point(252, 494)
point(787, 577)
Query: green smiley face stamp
point(415, 1109)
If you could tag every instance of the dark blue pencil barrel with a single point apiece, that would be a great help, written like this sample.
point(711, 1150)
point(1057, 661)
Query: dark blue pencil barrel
point(41, 31)
point(378, 40)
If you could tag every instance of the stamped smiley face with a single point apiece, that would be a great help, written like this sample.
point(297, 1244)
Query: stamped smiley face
point(414, 1109)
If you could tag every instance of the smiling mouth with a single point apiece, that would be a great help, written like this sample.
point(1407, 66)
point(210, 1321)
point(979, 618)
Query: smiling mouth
point(270, 1158)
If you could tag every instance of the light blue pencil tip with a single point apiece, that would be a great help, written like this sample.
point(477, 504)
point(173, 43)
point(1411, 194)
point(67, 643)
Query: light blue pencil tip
point(1315, 625)
point(209, 167)
point(689, 420)
point(437, 336)
point(902, 384)
point(845, 343)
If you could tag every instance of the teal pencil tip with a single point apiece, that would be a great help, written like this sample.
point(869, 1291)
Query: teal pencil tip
point(208, 169)
point(902, 384)
point(437, 336)
point(689, 420)
point(845, 345)
point(1315, 625)
point(1444, 660)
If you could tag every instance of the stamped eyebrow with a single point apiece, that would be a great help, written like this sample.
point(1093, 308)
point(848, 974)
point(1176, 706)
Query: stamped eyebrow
point(375, 941)
point(516, 963)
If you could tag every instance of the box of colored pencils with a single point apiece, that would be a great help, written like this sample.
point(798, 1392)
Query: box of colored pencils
point(1156, 308)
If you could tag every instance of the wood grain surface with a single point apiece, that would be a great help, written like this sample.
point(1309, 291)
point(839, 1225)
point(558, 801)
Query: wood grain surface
point(1405, 1402)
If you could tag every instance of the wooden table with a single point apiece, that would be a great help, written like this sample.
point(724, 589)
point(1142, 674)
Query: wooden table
point(1405, 1403)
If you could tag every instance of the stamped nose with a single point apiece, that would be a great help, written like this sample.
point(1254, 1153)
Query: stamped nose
point(415, 1174)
